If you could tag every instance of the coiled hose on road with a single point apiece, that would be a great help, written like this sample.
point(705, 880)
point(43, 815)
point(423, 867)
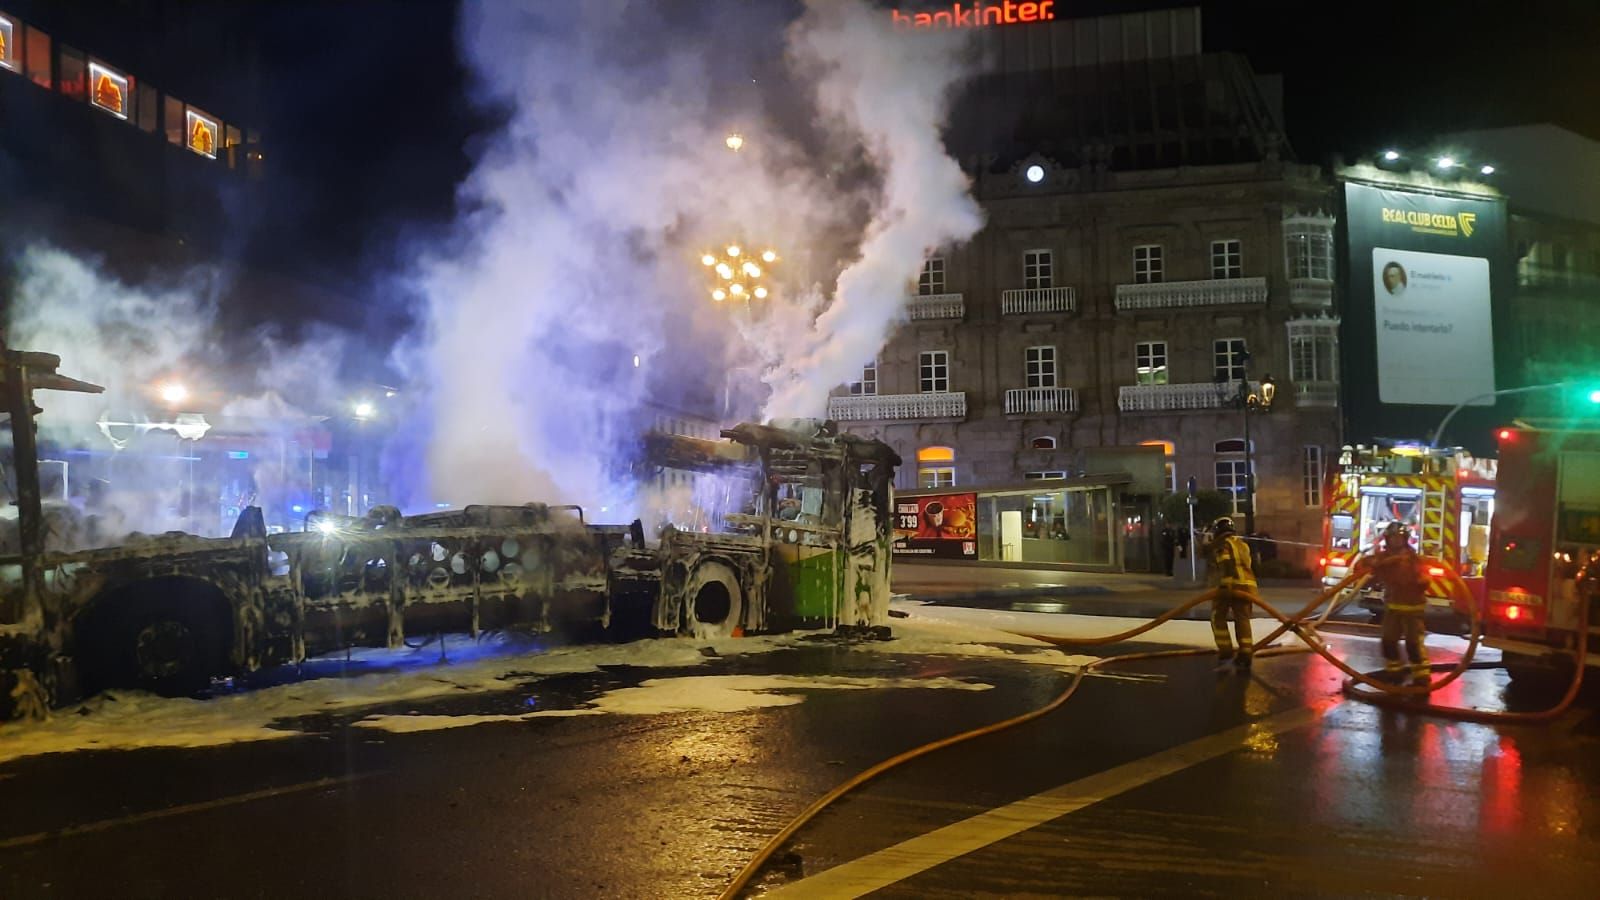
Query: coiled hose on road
point(1380, 693)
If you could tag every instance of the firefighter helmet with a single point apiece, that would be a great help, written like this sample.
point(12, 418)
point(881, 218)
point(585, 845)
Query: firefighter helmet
point(1223, 525)
point(1396, 536)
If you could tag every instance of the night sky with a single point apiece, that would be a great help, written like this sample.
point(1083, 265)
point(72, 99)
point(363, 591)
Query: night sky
point(370, 123)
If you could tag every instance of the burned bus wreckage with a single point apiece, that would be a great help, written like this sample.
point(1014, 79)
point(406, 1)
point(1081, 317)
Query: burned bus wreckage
point(807, 547)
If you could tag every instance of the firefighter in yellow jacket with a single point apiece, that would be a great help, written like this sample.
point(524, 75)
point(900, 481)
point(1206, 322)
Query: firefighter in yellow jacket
point(1405, 582)
point(1233, 590)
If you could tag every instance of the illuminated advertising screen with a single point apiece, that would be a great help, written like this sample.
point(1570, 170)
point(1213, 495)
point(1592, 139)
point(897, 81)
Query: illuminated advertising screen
point(108, 89)
point(1426, 279)
point(944, 526)
point(201, 133)
point(8, 44)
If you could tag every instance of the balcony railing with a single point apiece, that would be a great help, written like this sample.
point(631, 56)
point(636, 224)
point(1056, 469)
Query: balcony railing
point(1191, 294)
point(1039, 300)
point(1020, 401)
point(1177, 397)
point(1313, 293)
point(938, 306)
point(880, 407)
point(1316, 393)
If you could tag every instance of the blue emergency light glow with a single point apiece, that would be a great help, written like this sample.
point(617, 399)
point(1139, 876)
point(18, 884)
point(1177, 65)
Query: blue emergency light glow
point(238, 454)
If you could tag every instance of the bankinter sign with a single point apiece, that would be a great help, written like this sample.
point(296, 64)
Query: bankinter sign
point(976, 15)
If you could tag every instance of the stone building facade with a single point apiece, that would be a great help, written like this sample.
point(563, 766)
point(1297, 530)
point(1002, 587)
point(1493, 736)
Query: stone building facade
point(1103, 308)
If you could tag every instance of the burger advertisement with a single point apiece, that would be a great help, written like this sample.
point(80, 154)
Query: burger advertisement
point(944, 526)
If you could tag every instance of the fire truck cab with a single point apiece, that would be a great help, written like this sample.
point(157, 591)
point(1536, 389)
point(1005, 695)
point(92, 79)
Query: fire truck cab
point(1545, 533)
point(1446, 497)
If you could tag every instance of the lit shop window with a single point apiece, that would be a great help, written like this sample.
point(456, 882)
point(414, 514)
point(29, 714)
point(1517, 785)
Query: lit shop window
point(108, 89)
point(8, 44)
point(200, 132)
point(72, 70)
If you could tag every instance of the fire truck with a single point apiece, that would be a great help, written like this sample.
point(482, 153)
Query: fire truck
point(1445, 496)
point(1545, 532)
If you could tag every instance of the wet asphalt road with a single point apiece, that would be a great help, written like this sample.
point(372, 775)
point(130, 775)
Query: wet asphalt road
point(1301, 794)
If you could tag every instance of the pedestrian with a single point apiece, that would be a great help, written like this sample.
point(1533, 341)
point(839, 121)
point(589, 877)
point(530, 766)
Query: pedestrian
point(1401, 572)
point(1233, 592)
point(1169, 546)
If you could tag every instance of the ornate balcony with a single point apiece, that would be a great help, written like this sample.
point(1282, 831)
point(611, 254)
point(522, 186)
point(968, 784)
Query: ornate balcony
point(1024, 401)
point(1178, 397)
point(938, 306)
point(882, 407)
point(1192, 294)
point(1311, 293)
point(1316, 394)
point(1039, 300)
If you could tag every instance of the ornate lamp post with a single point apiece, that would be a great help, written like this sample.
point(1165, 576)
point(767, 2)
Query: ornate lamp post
point(1248, 400)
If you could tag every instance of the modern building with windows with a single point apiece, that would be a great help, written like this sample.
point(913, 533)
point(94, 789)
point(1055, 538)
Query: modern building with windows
point(1151, 246)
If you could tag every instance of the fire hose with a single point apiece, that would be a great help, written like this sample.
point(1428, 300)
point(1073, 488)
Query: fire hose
point(1379, 693)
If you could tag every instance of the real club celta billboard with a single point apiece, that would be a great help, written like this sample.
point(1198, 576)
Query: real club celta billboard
point(1426, 280)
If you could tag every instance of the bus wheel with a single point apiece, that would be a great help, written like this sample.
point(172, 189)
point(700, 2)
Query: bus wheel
point(715, 604)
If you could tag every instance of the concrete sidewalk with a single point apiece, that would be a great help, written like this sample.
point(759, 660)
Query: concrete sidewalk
point(952, 581)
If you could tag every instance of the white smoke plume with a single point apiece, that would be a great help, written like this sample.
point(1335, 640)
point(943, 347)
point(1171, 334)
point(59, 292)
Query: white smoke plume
point(891, 91)
point(590, 207)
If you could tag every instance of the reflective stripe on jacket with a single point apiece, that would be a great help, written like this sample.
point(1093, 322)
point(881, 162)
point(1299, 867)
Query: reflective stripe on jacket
point(1230, 563)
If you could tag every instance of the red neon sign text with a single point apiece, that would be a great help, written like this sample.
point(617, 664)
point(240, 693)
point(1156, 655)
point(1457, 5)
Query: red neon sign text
point(976, 15)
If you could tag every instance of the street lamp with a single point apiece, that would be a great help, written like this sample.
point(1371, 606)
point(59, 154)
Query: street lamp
point(1248, 401)
point(734, 141)
point(737, 272)
point(174, 393)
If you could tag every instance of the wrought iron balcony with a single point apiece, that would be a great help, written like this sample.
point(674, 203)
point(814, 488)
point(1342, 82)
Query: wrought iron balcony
point(1311, 293)
point(1021, 401)
point(1039, 300)
point(938, 306)
point(1316, 393)
point(1179, 397)
point(1192, 294)
point(881, 407)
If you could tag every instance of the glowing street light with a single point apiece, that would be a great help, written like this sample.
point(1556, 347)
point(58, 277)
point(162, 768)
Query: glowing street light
point(734, 141)
point(734, 251)
point(761, 293)
point(1446, 162)
point(737, 274)
point(1391, 155)
point(1486, 170)
point(1035, 173)
point(720, 295)
point(769, 257)
point(174, 393)
point(708, 260)
point(364, 410)
point(725, 270)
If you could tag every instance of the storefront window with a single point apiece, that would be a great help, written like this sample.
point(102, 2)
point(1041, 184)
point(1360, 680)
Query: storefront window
point(172, 119)
point(36, 58)
point(1070, 526)
point(148, 107)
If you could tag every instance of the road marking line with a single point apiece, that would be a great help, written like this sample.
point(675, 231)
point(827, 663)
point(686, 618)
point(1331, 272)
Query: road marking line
point(919, 854)
point(40, 837)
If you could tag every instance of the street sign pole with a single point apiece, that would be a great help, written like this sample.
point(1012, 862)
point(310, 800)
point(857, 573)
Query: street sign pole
point(1193, 546)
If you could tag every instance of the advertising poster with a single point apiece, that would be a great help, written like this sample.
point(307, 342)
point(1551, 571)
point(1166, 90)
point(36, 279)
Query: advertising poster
point(1427, 283)
point(944, 526)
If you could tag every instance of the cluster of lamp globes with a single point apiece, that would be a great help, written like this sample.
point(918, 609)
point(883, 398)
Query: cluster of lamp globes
point(738, 274)
point(1442, 163)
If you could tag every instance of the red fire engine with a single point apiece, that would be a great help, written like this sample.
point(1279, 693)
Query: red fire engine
point(1446, 497)
point(1546, 528)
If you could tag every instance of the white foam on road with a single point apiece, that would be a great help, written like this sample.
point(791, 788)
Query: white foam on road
point(694, 693)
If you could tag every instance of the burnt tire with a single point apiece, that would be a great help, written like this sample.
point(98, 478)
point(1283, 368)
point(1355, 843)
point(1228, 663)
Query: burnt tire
point(171, 646)
point(714, 601)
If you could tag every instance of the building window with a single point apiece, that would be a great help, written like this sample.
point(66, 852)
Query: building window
point(73, 73)
point(148, 108)
point(1308, 248)
point(1171, 468)
point(8, 44)
point(1227, 259)
point(108, 89)
point(36, 58)
point(1314, 351)
point(1038, 476)
point(1311, 475)
point(1229, 357)
point(868, 385)
point(1043, 443)
point(1147, 266)
point(936, 467)
point(1041, 367)
point(1150, 362)
point(931, 281)
point(1038, 269)
point(933, 371)
point(1231, 480)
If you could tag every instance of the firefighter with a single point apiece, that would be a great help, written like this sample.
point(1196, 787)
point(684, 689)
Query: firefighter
point(1403, 575)
point(1233, 590)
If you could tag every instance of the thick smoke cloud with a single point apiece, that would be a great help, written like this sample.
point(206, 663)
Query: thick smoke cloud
point(589, 209)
